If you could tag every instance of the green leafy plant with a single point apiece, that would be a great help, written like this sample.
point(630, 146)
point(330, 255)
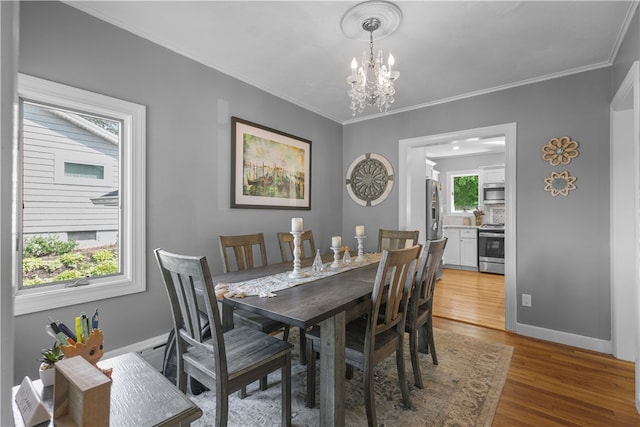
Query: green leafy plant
point(31, 264)
point(39, 246)
point(71, 259)
point(107, 267)
point(52, 265)
point(49, 356)
point(102, 255)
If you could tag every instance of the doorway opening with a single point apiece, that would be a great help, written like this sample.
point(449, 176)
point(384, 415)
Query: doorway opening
point(411, 186)
point(625, 221)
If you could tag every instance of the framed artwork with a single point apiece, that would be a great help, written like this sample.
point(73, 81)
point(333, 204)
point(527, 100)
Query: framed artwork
point(269, 169)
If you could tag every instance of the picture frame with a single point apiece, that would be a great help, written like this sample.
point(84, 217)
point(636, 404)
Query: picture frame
point(270, 169)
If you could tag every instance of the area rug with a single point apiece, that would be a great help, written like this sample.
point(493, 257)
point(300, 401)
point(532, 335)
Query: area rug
point(462, 390)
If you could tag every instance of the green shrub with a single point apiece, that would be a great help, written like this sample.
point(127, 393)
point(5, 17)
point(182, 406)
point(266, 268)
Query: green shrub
point(35, 281)
point(102, 255)
point(39, 246)
point(31, 264)
point(69, 274)
point(52, 265)
point(71, 259)
point(106, 267)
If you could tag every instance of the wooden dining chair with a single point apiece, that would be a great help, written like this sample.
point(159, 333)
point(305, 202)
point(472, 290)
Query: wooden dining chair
point(419, 323)
point(396, 239)
point(227, 361)
point(249, 251)
point(372, 338)
point(307, 245)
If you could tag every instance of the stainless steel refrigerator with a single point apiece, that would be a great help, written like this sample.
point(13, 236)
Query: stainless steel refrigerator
point(434, 216)
point(434, 211)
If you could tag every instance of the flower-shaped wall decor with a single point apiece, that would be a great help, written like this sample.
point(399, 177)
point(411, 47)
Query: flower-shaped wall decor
point(560, 151)
point(560, 183)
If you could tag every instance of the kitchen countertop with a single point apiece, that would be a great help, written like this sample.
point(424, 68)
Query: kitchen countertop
point(459, 226)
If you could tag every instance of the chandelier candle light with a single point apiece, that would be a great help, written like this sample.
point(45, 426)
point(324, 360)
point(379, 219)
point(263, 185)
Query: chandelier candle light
point(296, 231)
point(372, 82)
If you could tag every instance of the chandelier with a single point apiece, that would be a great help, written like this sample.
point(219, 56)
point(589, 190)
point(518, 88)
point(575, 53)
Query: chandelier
point(371, 83)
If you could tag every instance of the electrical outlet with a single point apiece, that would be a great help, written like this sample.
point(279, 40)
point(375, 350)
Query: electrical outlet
point(526, 300)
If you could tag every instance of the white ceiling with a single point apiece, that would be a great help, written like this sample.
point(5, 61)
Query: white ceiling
point(465, 147)
point(444, 50)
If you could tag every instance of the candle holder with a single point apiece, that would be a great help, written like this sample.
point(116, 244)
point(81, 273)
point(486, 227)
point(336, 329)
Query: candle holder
point(296, 273)
point(360, 257)
point(336, 258)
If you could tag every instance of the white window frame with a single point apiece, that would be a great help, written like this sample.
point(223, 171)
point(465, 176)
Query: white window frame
point(132, 278)
point(450, 176)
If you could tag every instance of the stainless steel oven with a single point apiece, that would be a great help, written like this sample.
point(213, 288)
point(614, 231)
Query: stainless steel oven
point(491, 248)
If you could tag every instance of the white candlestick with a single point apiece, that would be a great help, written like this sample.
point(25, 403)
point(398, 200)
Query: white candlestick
point(360, 240)
point(336, 257)
point(359, 230)
point(296, 273)
point(296, 224)
point(336, 241)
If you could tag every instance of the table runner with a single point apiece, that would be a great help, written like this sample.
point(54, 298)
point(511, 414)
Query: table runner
point(267, 285)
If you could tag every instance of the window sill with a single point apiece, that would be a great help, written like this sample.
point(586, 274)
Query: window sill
point(35, 300)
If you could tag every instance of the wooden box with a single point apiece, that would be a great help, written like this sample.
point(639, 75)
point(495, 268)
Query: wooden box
point(81, 394)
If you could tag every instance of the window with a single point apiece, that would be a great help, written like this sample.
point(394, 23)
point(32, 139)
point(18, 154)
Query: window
point(83, 171)
point(81, 186)
point(463, 190)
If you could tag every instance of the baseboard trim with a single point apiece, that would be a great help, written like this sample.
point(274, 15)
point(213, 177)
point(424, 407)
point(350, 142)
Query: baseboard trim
point(138, 347)
point(580, 341)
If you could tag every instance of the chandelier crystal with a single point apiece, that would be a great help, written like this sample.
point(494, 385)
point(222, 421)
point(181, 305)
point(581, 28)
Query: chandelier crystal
point(372, 82)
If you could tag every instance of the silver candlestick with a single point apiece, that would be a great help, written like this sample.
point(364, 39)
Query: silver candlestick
point(296, 273)
point(336, 257)
point(360, 240)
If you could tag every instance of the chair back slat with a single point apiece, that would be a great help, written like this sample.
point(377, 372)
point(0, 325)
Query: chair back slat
point(396, 274)
point(397, 239)
point(243, 247)
point(285, 240)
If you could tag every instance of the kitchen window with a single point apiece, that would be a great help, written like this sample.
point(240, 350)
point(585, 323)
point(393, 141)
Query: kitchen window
point(463, 188)
point(81, 186)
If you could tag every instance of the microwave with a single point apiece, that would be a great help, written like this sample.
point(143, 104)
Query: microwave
point(493, 193)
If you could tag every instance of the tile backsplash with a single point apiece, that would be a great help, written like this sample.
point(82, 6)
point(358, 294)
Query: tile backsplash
point(492, 215)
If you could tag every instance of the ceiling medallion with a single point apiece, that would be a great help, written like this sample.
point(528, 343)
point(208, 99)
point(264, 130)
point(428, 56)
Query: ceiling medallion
point(369, 179)
point(371, 83)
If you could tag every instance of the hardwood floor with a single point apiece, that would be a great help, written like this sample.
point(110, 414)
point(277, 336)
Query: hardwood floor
point(471, 297)
point(548, 384)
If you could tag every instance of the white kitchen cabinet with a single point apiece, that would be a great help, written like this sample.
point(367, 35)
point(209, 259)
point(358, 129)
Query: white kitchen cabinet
point(493, 175)
point(462, 248)
point(469, 247)
point(451, 254)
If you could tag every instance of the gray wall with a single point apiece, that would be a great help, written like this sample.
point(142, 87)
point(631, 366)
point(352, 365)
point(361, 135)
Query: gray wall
point(188, 157)
point(563, 242)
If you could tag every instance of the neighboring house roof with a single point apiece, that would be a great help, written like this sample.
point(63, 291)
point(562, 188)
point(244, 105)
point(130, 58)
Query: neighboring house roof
point(85, 124)
point(107, 199)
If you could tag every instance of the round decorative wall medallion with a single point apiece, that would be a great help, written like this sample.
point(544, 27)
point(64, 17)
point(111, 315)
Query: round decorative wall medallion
point(369, 179)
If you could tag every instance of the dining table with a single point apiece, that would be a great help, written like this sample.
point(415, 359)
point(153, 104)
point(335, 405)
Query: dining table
point(327, 301)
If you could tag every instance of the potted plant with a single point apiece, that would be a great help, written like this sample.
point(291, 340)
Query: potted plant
point(478, 214)
point(48, 360)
